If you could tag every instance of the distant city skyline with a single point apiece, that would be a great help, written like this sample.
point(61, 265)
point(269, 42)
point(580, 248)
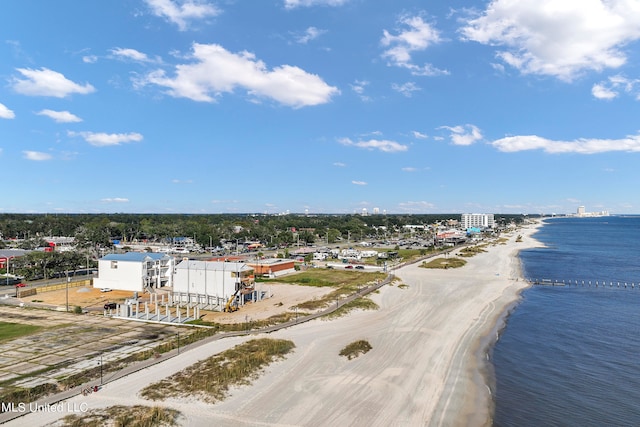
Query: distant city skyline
point(320, 106)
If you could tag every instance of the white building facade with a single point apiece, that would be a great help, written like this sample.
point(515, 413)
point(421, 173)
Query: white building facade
point(477, 220)
point(134, 271)
point(211, 284)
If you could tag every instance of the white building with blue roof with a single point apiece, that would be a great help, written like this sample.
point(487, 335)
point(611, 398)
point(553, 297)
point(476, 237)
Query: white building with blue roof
point(134, 271)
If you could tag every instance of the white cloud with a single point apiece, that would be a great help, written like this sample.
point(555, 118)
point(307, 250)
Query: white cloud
point(600, 91)
point(406, 89)
point(557, 38)
point(45, 82)
point(513, 144)
point(115, 200)
point(292, 4)
point(37, 156)
point(339, 164)
point(6, 113)
point(418, 37)
point(60, 116)
point(180, 13)
point(359, 87)
point(309, 34)
point(409, 169)
point(132, 54)
point(216, 70)
point(419, 135)
point(375, 144)
point(463, 135)
point(90, 59)
point(358, 183)
point(612, 87)
point(107, 139)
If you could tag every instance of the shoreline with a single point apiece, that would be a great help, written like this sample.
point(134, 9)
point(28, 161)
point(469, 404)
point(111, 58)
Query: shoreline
point(467, 397)
point(487, 343)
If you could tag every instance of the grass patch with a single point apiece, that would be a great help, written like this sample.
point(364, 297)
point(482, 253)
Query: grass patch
point(355, 349)
point(320, 277)
point(119, 415)
point(470, 251)
point(23, 395)
point(345, 283)
point(9, 331)
point(211, 379)
point(357, 304)
point(276, 319)
point(444, 263)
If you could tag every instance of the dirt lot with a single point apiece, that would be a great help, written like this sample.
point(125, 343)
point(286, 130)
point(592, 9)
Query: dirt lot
point(85, 297)
point(283, 298)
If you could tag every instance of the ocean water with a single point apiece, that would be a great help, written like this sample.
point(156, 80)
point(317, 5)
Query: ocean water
point(570, 355)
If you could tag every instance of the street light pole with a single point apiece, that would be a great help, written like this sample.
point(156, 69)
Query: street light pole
point(67, 291)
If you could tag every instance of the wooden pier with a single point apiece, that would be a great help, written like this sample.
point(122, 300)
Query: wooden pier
point(584, 283)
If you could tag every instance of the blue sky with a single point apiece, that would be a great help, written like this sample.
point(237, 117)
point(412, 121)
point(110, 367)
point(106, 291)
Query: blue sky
point(324, 106)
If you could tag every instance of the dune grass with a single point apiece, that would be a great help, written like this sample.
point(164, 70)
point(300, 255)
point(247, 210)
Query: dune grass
point(120, 416)
point(211, 378)
point(444, 263)
point(355, 349)
point(470, 251)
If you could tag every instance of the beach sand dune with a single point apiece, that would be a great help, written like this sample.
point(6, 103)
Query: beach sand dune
point(426, 365)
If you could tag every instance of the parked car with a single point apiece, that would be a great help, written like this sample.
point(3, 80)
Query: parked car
point(348, 266)
point(20, 285)
point(110, 306)
point(360, 267)
point(106, 290)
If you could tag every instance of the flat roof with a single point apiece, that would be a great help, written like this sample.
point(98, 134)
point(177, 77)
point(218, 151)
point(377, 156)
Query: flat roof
point(135, 256)
point(270, 261)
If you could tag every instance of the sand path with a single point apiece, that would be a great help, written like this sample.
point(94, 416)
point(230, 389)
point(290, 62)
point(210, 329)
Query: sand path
point(425, 366)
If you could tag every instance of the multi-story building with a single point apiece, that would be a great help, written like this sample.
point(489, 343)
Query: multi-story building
point(477, 220)
point(213, 283)
point(134, 271)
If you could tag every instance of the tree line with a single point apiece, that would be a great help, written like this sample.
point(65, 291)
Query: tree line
point(212, 229)
point(93, 232)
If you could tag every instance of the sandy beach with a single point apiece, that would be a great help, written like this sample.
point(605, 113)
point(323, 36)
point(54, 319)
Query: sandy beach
point(427, 366)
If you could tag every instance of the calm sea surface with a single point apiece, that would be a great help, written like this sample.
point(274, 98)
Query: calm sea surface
point(570, 356)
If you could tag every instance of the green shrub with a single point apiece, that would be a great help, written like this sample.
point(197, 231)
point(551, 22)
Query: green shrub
point(355, 349)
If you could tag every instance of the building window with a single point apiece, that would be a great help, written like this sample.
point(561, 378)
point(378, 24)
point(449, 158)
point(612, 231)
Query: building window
point(114, 264)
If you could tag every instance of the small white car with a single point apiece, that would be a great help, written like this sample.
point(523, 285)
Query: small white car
point(105, 290)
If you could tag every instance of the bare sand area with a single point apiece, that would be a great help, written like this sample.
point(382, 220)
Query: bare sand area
point(282, 298)
point(426, 365)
